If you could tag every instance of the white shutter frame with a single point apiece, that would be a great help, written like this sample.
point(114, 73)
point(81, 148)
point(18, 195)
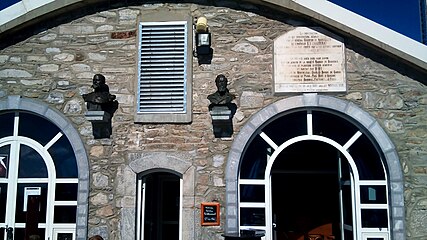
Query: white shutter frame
point(164, 80)
point(162, 69)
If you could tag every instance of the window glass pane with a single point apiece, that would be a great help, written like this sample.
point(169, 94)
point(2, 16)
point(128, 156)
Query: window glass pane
point(6, 126)
point(4, 161)
point(325, 124)
point(252, 193)
point(36, 128)
point(63, 156)
point(374, 218)
point(255, 159)
point(65, 214)
point(367, 159)
point(3, 194)
point(20, 213)
point(252, 217)
point(31, 164)
point(286, 127)
point(373, 194)
point(66, 192)
point(308, 156)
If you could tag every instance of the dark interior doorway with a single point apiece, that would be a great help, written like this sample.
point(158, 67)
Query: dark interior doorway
point(305, 192)
point(162, 206)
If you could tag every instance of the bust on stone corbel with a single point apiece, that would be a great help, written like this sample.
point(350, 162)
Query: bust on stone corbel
point(221, 108)
point(101, 106)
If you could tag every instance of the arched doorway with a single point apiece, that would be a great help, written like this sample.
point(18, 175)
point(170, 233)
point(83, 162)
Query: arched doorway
point(162, 186)
point(43, 174)
point(305, 191)
point(298, 146)
point(159, 206)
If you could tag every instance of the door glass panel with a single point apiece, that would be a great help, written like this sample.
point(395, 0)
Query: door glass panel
point(348, 235)
point(29, 122)
point(63, 156)
point(3, 194)
point(170, 201)
point(252, 217)
point(6, 126)
point(65, 214)
point(252, 193)
point(346, 199)
point(64, 236)
point(31, 164)
point(373, 194)
point(347, 204)
point(66, 192)
point(19, 233)
point(21, 215)
point(374, 218)
point(162, 209)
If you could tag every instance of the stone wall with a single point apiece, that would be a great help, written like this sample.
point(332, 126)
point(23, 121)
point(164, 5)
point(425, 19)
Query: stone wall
point(56, 67)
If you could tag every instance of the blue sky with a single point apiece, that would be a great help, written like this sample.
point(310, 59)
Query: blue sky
point(403, 16)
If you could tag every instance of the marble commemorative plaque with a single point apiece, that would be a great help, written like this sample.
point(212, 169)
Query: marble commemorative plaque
point(309, 60)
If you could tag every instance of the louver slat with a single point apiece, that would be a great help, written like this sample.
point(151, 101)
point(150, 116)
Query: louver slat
point(162, 68)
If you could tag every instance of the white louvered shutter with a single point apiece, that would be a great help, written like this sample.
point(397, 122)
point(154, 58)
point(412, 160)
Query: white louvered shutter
point(162, 67)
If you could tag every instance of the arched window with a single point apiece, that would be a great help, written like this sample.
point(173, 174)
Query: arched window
point(43, 173)
point(313, 166)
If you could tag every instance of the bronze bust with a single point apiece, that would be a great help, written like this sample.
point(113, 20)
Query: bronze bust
point(222, 96)
point(100, 97)
point(101, 106)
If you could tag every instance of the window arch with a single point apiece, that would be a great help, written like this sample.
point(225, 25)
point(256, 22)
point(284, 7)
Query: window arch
point(345, 110)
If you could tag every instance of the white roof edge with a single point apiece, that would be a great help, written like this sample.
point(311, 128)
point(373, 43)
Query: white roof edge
point(26, 10)
point(372, 32)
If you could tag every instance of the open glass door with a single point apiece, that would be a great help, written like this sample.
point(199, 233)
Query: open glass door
point(346, 200)
point(159, 207)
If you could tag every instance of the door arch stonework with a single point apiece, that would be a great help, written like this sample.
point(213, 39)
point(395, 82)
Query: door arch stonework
point(351, 112)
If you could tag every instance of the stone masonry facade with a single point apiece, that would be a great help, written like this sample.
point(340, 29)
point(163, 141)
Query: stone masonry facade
point(56, 67)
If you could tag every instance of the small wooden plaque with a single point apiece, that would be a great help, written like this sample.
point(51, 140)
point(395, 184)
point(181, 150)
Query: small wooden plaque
point(210, 214)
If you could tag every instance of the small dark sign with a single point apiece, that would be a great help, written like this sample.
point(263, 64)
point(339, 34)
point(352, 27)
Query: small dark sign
point(210, 214)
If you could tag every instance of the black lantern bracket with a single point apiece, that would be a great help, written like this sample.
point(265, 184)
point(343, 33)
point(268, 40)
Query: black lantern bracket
point(203, 41)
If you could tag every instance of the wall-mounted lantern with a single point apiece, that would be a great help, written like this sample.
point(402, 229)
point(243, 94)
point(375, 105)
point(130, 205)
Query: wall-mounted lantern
point(203, 50)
